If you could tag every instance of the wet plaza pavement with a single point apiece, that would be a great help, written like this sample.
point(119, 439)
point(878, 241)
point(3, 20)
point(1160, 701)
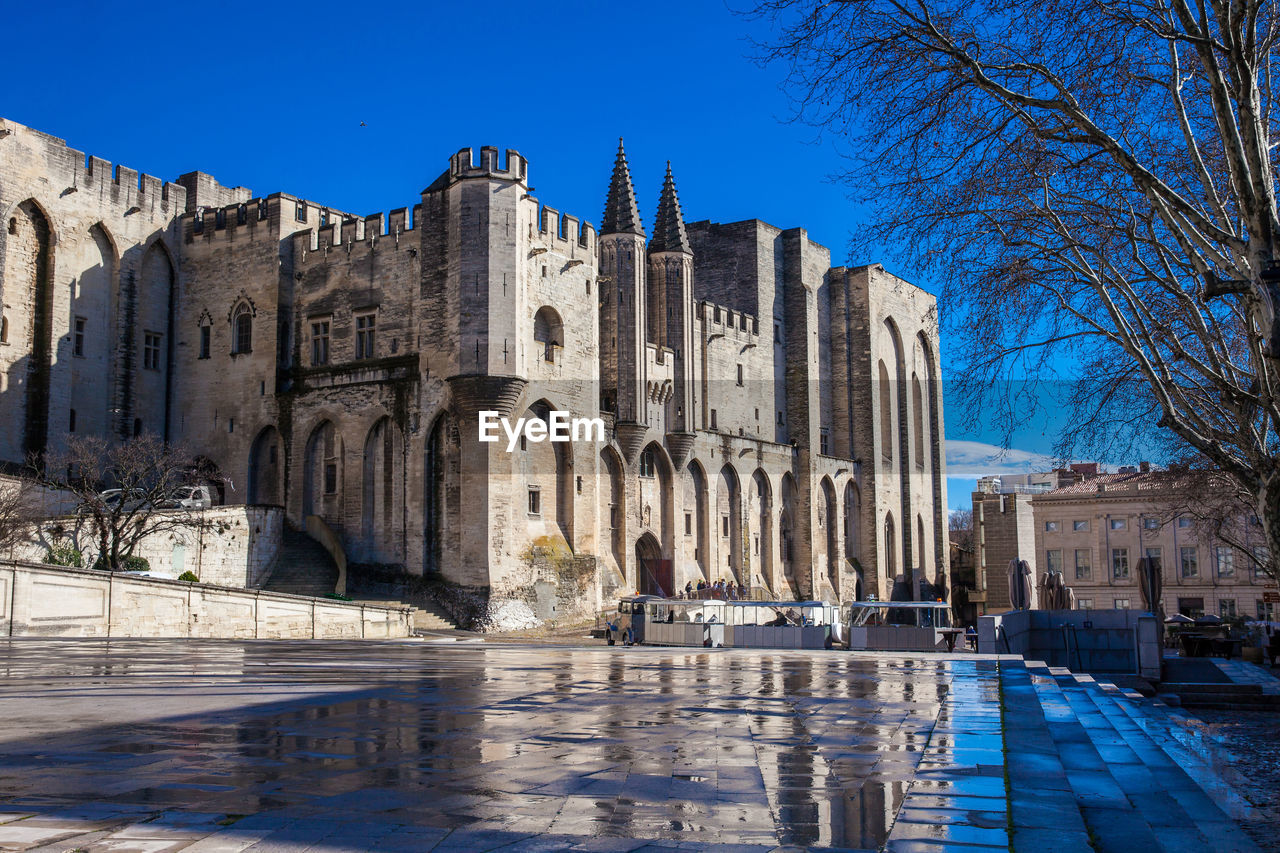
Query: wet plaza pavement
point(157, 745)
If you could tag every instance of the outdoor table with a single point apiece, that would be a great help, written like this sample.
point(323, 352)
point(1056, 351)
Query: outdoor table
point(1226, 646)
point(1195, 645)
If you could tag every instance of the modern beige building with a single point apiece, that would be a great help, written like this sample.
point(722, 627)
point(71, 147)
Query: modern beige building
point(1096, 530)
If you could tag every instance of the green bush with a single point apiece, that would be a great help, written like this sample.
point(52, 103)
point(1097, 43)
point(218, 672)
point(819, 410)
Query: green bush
point(189, 576)
point(64, 555)
point(128, 564)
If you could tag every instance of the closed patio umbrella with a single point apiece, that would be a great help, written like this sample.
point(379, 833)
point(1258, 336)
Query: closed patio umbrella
point(1152, 586)
point(1021, 591)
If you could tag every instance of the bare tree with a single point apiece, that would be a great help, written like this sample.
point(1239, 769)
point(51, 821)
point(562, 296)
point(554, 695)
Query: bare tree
point(16, 512)
point(1092, 184)
point(960, 527)
point(122, 490)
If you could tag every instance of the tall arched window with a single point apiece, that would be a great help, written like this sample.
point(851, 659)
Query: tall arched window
point(242, 328)
point(886, 416)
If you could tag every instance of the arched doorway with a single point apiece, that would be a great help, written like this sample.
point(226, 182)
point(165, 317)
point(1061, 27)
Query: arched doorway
point(264, 468)
point(653, 574)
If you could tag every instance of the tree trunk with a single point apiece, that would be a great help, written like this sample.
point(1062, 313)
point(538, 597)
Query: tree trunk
point(1269, 516)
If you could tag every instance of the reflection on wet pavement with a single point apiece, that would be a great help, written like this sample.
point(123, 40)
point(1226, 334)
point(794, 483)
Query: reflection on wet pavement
point(167, 745)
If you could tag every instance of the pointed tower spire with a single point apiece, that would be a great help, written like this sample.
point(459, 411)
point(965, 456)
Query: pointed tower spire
point(621, 215)
point(668, 227)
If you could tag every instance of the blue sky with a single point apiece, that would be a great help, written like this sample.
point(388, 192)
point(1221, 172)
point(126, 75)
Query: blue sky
point(272, 96)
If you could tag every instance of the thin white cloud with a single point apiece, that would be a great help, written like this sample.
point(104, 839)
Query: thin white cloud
point(973, 459)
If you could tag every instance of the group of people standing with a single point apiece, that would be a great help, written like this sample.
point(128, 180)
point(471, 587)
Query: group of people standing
point(724, 590)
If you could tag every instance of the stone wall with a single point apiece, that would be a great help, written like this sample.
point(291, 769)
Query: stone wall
point(1100, 641)
point(234, 546)
point(43, 601)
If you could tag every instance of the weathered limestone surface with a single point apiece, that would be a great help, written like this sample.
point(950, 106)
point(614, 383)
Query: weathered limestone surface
point(770, 419)
point(57, 602)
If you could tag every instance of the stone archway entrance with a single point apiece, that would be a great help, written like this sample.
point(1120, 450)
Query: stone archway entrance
point(653, 574)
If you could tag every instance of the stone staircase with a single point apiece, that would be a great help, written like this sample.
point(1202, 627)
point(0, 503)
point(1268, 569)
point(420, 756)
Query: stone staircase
point(426, 615)
point(304, 567)
point(1223, 685)
point(1092, 766)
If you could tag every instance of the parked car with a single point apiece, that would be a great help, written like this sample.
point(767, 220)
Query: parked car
point(111, 499)
point(188, 497)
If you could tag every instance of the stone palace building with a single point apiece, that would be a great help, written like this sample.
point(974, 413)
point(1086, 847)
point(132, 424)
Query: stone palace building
point(769, 419)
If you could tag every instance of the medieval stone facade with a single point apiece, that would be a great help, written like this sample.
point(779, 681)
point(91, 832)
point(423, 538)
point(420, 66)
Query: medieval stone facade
point(770, 419)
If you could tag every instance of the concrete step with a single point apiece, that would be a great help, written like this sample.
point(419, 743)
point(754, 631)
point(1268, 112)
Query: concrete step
point(1210, 687)
point(1129, 790)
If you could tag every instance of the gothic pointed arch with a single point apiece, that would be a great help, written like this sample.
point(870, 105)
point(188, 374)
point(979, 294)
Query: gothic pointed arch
point(322, 474)
point(265, 468)
point(696, 530)
point(441, 492)
point(728, 533)
point(760, 519)
point(28, 278)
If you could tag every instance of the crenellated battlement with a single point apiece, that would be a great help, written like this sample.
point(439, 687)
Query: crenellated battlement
point(564, 228)
point(465, 164)
point(353, 234)
point(726, 320)
point(78, 172)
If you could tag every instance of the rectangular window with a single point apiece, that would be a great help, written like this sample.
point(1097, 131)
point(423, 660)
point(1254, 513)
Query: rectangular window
point(302, 211)
point(1226, 562)
point(1120, 563)
point(1227, 608)
point(724, 523)
point(647, 464)
point(1192, 607)
point(1262, 562)
point(688, 524)
point(1189, 563)
point(780, 422)
point(1053, 560)
point(1051, 527)
point(330, 478)
point(151, 351)
point(1079, 525)
point(1122, 604)
point(739, 374)
point(535, 501)
point(1184, 522)
point(78, 347)
point(1155, 555)
point(1119, 524)
point(1084, 564)
point(1149, 523)
point(364, 335)
point(613, 516)
point(1266, 611)
point(824, 443)
point(713, 418)
point(319, 342)
point(206, 336)
point(1084, 604)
